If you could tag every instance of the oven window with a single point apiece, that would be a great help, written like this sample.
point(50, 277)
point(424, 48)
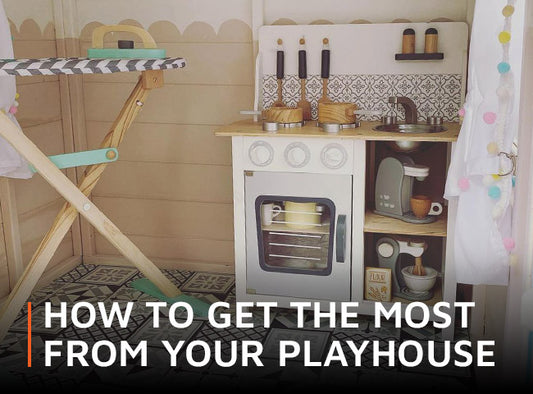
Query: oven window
point(295, 234)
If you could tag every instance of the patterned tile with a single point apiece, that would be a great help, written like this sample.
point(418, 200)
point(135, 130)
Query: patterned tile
point(76, 273)
point(425, 367)
point(387, 330)
point(165, 331)
point(37, 322)
point(74, 292)
point(205, 282)
point(178, 277)
point(108, 275)
point(318, 340)
point(367, 356)
point(288, 318)
point(434, 94)
point(98, 331)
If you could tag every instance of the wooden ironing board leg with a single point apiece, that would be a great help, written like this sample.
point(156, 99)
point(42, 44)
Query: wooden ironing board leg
point(69, 212)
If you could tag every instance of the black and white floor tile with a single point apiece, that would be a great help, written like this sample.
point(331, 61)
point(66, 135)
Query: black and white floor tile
point(107, 284)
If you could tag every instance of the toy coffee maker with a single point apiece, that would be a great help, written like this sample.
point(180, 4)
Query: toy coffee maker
point(394, 190)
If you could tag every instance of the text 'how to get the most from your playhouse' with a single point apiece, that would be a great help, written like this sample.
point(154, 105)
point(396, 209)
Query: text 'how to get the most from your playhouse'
point(245, 352)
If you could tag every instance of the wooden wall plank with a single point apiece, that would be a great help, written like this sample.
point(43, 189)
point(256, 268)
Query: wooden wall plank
point(35, 224)
point(169, 218)
point(32, 49)
point(39, 103)
point(169, 143)
point(47, 136)
point(183, 104)
point(167, 181)
point(36, 192)
point(175, 248)
point(33, 193)
point(63, 252)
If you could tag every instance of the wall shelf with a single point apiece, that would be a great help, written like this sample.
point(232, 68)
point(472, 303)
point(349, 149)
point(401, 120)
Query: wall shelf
point(419, 56)
point(375, 223)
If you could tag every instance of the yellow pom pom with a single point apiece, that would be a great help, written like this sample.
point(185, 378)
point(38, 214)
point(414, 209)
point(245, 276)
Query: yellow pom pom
point(17, 96)
point(508, 11)
point(496, 177)
point(504, 37)
point(492, 148)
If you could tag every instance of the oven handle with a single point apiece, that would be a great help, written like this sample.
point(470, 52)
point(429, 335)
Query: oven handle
point(340, 243)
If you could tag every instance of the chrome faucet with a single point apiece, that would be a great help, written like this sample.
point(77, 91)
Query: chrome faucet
point(409, 106)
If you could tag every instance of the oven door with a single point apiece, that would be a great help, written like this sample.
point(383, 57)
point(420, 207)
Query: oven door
point(298, 235)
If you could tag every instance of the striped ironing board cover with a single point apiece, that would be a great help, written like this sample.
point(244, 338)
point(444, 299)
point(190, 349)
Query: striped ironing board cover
point(75, 66)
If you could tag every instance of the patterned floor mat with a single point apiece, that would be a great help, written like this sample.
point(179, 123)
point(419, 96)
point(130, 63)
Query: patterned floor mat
point(108, 284)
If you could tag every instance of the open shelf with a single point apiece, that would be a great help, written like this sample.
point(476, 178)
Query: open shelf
point(437, 297)
point(375, 223)
point(419, 56)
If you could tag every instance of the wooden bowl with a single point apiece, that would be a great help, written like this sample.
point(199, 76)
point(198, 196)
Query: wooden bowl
point(336, 112)
point(283, 115)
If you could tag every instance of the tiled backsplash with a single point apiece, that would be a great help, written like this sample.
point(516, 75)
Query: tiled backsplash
point(433, 94)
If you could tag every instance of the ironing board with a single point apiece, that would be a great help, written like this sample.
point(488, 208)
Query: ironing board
point(77, 196)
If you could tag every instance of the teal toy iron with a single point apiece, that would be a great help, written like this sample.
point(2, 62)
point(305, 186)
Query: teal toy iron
point(125, 49)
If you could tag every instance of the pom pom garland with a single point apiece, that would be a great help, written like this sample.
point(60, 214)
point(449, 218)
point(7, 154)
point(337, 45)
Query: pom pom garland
point(464, 184)
point(489, 117)
point(495, 192)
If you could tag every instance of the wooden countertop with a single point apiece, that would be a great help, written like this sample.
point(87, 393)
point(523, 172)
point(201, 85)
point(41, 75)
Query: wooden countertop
point(365, 132)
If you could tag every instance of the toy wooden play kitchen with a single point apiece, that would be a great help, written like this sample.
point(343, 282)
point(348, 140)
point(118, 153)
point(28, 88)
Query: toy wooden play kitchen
point(307, 201)
point(77, 200)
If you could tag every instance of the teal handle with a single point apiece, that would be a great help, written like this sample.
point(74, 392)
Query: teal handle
point(85, 158)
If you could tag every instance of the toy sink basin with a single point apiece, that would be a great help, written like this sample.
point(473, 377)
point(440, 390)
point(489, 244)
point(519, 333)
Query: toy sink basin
point(410, 128)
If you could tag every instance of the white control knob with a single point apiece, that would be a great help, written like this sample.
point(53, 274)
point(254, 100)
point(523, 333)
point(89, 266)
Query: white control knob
point(261, 153)
point(385, 249)
point(333, 156)
point(297, 154)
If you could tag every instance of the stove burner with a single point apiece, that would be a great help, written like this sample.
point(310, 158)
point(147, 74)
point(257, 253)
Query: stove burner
point(275, 126)
point(336, 127)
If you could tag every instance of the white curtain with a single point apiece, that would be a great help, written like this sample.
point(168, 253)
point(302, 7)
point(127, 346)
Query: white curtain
point(11, 163)
point(483, 239)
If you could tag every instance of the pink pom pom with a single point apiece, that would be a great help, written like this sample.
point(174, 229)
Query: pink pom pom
point(508, 243)
point(489, 117)
point(461, 112)
point(13, 110)
point(464, 184)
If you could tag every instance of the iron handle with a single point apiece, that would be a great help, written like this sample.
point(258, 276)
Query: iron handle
point(340, 243)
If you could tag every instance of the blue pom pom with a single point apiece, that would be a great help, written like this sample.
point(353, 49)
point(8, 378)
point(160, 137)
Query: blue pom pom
point(503, 67)
point(495, 192)
point(514, 181)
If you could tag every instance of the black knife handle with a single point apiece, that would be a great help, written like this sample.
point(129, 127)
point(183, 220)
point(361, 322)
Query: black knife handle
point(302, 64)
point(280, 64)
point(325, 64)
